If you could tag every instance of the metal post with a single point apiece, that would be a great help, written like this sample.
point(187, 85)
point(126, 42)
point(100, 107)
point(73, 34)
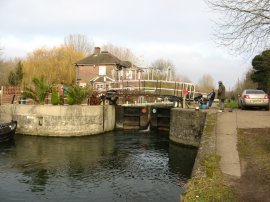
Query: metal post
point(1, 95)
point(174, 89)
point(160, 88)
point(139, 86)
point(103, 102)
point(144, 86)
point(184, 101)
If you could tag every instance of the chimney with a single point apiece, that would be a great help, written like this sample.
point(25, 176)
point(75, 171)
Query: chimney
point(97, 50)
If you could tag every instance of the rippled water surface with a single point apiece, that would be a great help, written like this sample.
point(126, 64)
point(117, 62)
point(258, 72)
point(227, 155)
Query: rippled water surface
point(117, 166)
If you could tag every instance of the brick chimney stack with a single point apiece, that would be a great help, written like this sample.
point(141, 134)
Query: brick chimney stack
point(97, 50)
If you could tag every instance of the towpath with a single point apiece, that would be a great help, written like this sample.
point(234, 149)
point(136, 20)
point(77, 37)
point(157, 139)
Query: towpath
point(226, 133)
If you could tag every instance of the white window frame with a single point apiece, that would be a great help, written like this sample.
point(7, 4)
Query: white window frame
point(129, 74)
point(102, 70)
point(99, 86)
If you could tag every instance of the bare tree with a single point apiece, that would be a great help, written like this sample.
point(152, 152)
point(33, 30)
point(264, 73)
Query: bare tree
point(1, 51)
point(165, 69)
point(206, 83)
point(79, 42)
point(6, 66)
point(244, 26)
point(246, 82)
point(181, 78)
point(124, 54)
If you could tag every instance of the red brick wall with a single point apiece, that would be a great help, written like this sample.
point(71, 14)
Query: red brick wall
point(86, 73)
point(8, 92)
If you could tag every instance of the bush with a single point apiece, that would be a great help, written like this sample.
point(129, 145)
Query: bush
point(94, 99)
point(70, 100)
point(61, 100)
point(77, 94)
point(55, 96)
point(39, 91)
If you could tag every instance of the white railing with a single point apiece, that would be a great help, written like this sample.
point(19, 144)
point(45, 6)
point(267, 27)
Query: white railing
point(158, 87)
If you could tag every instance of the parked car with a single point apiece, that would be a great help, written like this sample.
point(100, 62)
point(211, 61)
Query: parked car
point(253, 98)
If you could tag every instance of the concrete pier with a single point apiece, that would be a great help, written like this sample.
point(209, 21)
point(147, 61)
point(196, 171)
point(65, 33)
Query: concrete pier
point(62, 121)
point(186, 126)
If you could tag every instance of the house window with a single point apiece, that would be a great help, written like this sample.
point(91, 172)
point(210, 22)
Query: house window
point(113, 74)
point(99, 86)
point(139, 75)
point(102, 71)
point(129, 74)
point(121, 73)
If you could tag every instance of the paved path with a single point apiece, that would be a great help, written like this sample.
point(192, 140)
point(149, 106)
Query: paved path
point(226, 131)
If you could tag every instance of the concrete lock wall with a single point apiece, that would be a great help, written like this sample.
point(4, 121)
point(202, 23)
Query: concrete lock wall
point(63, 121)
point(186, 126)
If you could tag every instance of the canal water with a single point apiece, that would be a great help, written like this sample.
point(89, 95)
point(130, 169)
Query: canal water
point(117, 166)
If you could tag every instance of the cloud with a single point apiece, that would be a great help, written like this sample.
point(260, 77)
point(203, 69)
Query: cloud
point(177, 30)
point(16, 47)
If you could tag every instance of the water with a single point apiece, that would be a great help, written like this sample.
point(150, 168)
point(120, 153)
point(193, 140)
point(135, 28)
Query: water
point(109, 167)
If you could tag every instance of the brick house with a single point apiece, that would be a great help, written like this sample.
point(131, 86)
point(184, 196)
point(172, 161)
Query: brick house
point(102, 68)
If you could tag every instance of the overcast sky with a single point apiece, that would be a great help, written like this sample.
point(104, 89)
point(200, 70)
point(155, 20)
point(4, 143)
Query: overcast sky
point(177, 30)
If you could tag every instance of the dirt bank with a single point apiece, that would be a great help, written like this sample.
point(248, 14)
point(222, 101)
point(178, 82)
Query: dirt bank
point(254, 150)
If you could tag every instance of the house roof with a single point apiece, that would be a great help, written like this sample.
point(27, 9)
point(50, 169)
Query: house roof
point(103, 58)
point(101, 79)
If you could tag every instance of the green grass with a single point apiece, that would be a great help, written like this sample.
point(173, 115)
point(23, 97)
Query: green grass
point(210, 125)
point(231, 104)
point(210, 187)
point(255, 144)
point(242, 144)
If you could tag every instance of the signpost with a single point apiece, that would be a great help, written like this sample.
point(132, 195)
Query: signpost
point(185, 92)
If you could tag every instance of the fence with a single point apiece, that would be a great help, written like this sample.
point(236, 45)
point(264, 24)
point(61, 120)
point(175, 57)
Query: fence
point(157, 87)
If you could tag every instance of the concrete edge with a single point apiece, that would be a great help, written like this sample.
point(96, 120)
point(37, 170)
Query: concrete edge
point(207, 144)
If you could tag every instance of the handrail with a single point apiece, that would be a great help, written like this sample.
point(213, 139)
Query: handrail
point(156, 86)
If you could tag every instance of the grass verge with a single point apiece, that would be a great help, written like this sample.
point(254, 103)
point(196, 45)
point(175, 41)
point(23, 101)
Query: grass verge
point(233, 105)
point(254, 147)
point(210, 187)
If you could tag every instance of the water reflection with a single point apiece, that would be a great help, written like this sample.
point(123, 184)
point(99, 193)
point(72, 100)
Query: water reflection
point(108, 167)
point(36, 178)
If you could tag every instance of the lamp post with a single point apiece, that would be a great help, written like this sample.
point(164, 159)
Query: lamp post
point(168, 75)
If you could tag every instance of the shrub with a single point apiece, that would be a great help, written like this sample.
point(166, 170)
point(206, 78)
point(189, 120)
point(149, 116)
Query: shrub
point(39, 92)
point(61, 100)
point(76, 94)
point(94, 99)
point(55, 96)
point(70, 100)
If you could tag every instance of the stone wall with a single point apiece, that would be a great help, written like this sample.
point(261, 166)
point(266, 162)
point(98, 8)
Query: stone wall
point(186, 126)
point(49, 120)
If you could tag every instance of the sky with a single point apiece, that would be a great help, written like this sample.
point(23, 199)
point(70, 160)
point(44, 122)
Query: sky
point(180, 31)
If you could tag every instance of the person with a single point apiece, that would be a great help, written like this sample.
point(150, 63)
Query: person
point(221, 95)
point(197, 100)
point(211, 96)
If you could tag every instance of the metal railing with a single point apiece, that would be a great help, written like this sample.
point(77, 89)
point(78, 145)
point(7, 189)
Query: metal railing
point(156, 87)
